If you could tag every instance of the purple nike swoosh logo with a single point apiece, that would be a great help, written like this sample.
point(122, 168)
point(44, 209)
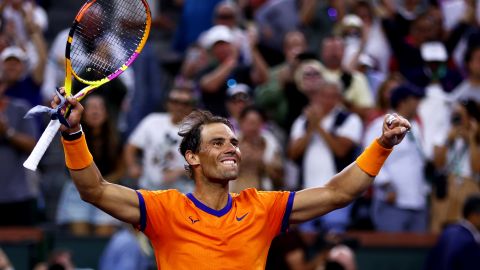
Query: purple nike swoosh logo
point(242, 217)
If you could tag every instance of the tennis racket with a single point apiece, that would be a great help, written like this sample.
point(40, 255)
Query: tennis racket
point(104, 40)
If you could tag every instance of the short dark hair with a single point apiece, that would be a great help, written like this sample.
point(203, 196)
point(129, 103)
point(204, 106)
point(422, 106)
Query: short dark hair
point(472, 205)
point(191, 128)
point(253, 108)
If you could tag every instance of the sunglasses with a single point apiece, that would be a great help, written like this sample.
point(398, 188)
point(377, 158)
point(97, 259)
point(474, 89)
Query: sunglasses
point(311, 74)
point(239, 97)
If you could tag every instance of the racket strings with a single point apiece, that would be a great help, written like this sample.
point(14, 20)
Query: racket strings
point(106, 37)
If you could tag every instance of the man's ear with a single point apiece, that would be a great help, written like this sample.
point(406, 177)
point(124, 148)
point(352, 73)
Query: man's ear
point(192, 158)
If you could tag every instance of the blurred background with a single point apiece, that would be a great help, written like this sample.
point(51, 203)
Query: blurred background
point(304, 82)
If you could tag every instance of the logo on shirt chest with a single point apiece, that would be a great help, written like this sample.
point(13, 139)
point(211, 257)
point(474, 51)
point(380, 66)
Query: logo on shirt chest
point(193, 220)
point(241, 217)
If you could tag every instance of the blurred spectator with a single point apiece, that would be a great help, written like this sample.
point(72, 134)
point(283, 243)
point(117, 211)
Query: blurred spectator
point(196, 59)
point(19, 192)
point(470, 87)
point(382, 98)
point(249, 7)
point(368, 66)
point(155, 142)
point(21, 82)
point(238, 98)
point(196, 17)
point(438, 80)
point(275, 19)
point(149, 89)
point(263, 169)
point(466, 33)
point(288, 252)
point(456, 159)
point(376, 45)
point(343, 256)
point(226, 69)
point(401, 14)
point(280, 95)
point(318, 18)
point(436, 68)
point(458, 247)
point(5, 262)
point(18, 11)
point(83, 218)
point(406, 48)
point(228, 13)
point(128, 249)
point(350, 28)
point(356, 92)
point(400, 195)
point(54, 74)
point(21, 18)
point(324, 132)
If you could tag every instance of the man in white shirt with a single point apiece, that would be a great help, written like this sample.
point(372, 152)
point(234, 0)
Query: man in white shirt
point(156, 136)
point(400, 196)
point(315, 137)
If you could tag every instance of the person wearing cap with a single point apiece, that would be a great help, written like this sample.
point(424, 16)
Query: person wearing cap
point(228, 13)
point(436, 68)
point(238, 97)
point(458, 247)
point(351, 29)
point(438, 79)
point(226, 70)
point(400, 195)
point(24, 81)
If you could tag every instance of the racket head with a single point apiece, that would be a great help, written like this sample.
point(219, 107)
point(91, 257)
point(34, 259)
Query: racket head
point(104, 40)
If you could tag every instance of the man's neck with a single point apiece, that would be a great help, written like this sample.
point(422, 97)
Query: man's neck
point(213, 195)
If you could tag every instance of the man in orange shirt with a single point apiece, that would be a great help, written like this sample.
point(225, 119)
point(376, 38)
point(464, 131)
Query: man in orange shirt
point(212, 228)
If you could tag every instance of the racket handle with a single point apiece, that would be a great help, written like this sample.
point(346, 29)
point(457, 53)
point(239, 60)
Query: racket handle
point(39, 150)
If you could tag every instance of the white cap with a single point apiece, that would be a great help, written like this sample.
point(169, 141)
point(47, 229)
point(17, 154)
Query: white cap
point(15, 52)
point(239, 88)
point(433, 52)
point(352, 20)
point(215, 34)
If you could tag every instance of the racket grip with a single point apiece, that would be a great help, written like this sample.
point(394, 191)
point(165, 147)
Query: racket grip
point(39, 150)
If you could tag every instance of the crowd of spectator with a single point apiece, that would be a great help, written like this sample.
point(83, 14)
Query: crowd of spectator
point(305, 84)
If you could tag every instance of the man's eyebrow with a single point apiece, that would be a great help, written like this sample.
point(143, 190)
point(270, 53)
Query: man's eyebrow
point(218, 139)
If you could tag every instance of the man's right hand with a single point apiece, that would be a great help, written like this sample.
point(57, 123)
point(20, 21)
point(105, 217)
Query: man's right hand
point(76, 111)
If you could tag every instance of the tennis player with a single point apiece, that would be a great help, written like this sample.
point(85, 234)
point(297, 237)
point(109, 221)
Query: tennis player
point(212, 228)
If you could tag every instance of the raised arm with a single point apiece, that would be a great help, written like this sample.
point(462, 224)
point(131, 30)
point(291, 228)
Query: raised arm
point(118, 201)
point(352, 181)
